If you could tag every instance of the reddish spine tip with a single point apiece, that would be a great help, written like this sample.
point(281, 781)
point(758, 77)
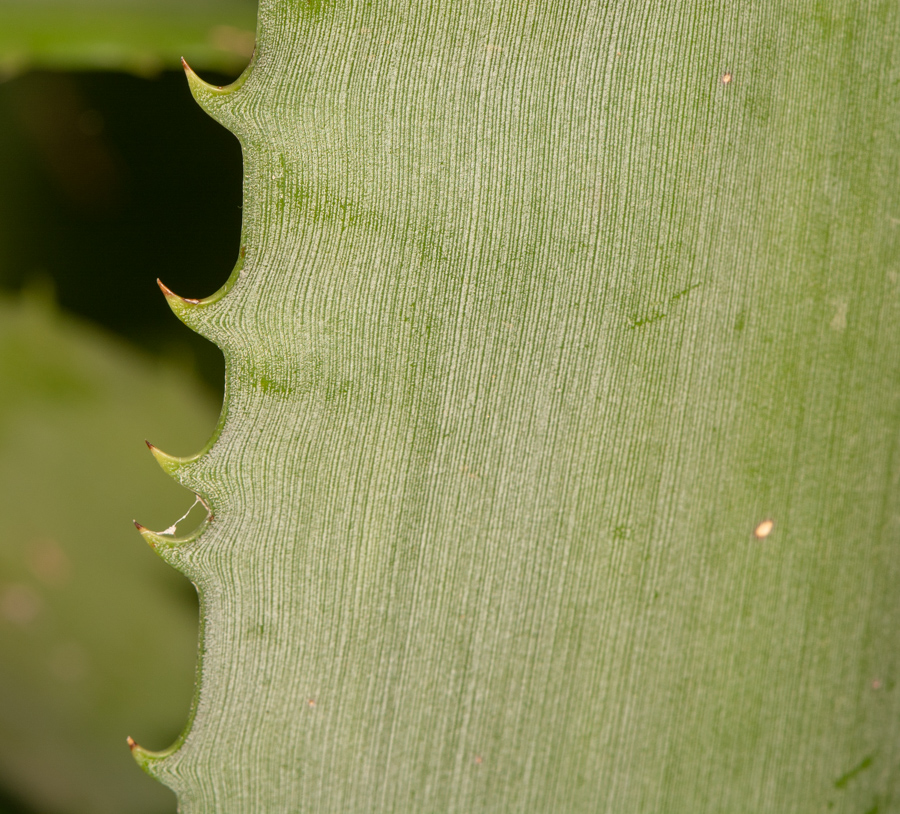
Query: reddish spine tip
point(185, 65)
point(131, 744)
point(150, 446)
point(138, 526)
point(165, 289)
point(169, 294)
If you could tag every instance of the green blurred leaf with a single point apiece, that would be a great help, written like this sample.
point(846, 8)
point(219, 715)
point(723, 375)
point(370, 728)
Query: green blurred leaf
point(97, 637)
point(143, 36)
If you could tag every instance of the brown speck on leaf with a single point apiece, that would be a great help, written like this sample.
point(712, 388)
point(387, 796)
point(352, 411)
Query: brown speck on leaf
point(876, 684)
point(764, 529)
point(478, 760)
point(726, 78)
point(312, 703)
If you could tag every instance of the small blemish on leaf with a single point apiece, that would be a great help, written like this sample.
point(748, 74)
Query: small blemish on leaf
point(312, 703)
point(764, 529)
point(726, 78)
point(638, 322)
point(845, 778)
point(478, 760)
point(684, 292)
point(839, 320)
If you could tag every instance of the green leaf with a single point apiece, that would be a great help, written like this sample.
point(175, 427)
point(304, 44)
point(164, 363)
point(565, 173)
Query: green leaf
point(97, 637)
point(142, 36)
point(558, 470)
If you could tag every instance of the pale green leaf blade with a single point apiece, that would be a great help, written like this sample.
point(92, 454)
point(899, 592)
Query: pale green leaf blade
point(545, 313)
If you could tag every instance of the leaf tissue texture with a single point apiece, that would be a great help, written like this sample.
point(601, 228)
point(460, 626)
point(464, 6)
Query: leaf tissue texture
point(558, 468)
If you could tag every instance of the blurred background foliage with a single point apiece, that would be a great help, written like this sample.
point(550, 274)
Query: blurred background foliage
point(110, 176)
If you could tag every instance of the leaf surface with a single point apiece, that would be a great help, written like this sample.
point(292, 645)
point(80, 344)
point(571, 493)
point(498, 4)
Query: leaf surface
point(558, 470)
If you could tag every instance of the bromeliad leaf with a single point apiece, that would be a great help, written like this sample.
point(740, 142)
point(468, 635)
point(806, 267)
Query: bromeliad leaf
point(543, 313)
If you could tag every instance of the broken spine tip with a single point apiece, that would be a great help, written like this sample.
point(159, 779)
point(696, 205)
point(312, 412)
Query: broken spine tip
point(150, 537)
point(142, 756)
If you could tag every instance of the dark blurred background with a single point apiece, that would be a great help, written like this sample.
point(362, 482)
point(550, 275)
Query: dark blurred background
point(108, 179)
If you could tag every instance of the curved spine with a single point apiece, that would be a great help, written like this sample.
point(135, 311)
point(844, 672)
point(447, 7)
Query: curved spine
point(170, 548)
point(187, 471)
point(217, 100)
point(188, 310)
point(171, 464)
point(193, 312)
point(145, 758)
